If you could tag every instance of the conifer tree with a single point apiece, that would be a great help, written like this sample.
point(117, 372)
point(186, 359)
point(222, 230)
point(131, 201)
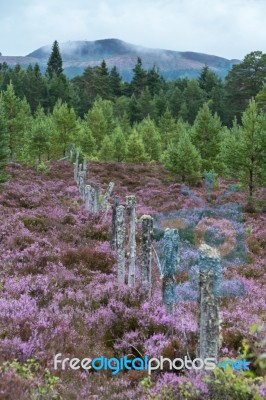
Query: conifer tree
point(4, 151)
point(65, 123)
point(244, 149)
point(139, 79)
point(167, 128)
point(119, 145)
point(39, 136)
point(86, 139)
point(17, 114)
point(135, 149)
point(97, 123)
point(151, 138)
point(107, 151)
point(207, 135)
point(183, 159)
point(55, 63)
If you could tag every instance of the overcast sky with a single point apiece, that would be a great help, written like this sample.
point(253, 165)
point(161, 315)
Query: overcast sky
point(227, 28)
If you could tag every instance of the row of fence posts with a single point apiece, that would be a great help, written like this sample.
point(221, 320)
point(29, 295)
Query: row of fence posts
point(208, 300)
point(90, 193)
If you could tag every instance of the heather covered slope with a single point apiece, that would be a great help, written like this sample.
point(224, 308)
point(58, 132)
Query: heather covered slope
point(59, 293)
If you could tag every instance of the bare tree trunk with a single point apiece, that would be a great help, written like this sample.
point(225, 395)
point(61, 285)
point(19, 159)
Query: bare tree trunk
point(208, 301)
point(113, 239)
point(107, 195)
point(169, 268)
point(120, 243)
point(131, 207)
point(146, 255)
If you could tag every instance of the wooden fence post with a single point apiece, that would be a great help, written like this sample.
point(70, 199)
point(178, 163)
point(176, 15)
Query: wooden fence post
point(208, 302)
point(76, 167)
point(131, 207)
point(88, 197)
point(96, 198)
point(107, 196)
point(146, 254)
point(85, 169)
point(82, 184)
point(169, 268)
point(120, 243)
point(113, 238)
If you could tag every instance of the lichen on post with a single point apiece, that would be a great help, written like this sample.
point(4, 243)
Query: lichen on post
point(96, 198)
point(208, 302)
point(170, 265)
point(146, 254)
point(89, 195)
point(131, 208)
point(107, 196)
point(120, 243)
point(76, 167)
point(85, 169)
point(81, 183)
point(113, 238)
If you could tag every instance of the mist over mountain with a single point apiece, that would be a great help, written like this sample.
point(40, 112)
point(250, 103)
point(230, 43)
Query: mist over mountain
point(77, 55)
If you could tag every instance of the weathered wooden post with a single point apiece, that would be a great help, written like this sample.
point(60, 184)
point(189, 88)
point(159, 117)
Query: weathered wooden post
point(131, 208)
point(113, 238)
point(82, 184)
point(96, 198)
point(146, 254)
point(169, 268)
point(107, 196)
point(89, 194)
point(208, 302)
point(76, 167)
point(120, 243)
point(85, 169)
point(71, 151)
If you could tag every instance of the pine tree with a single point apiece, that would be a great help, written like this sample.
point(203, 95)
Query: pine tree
point(151, 138)
point(97, 123)
point(167, 128)
point(119, 145)
point(244, 149)
point(39, 139)
point(194, 98)
point(4, 151)
point(207, 136)
point(139, 79)
point(135, 149)
point(66, 124)
point(183, 159)
point(107, 151)
point(115, 83)
point(17, 114)
point(146, 104)
point(86, 139)
point(55, 63)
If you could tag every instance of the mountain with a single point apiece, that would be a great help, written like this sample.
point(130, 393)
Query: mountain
point(78, 55)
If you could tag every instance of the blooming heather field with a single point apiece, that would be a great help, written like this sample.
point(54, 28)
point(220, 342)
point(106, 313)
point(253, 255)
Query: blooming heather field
point(59, 293)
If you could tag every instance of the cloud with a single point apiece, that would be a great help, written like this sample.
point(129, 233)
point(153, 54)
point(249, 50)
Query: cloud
point(229, 28)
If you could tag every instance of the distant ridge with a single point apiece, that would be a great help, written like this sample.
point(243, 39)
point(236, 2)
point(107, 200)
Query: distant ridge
point(77, 55)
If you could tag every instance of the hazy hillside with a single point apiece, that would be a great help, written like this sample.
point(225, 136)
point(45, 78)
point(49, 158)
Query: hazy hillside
point(77, 55)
